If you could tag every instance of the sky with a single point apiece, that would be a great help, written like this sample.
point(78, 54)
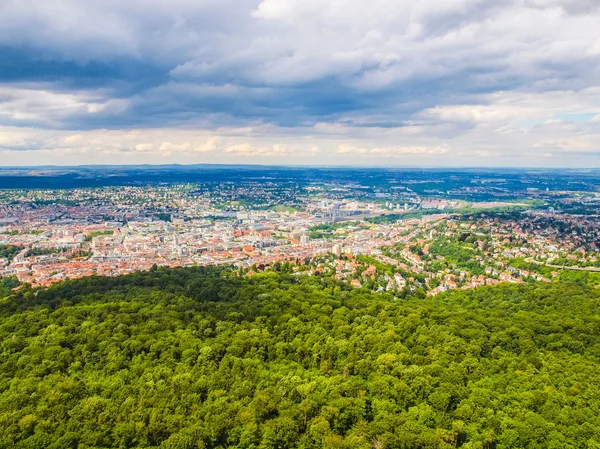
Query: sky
point(430, 83)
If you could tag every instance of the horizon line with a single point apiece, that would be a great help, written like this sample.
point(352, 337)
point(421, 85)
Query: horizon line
point(300, 166)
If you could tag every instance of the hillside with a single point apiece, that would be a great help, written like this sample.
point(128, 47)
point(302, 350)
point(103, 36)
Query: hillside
point(193, 358)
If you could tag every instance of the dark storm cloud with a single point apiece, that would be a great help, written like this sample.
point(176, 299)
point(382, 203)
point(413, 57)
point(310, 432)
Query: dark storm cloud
point(22, 64)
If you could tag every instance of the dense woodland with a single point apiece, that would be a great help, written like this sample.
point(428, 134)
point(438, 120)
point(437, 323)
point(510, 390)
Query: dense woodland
point(201, 357)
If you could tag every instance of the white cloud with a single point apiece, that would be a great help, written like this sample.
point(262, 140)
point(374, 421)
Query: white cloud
point(281, 80)
point(210, 145)
point(393, 151)
point(569, 145)
point(252, 151)
point(348, 149)
point(37, 103)
point(312, 150)
point(144, 147)
point(169, 147)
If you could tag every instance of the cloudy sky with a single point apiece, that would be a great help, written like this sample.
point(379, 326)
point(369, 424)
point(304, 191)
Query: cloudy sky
point(311, 82)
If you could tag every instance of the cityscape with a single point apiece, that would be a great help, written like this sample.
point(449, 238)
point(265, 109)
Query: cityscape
point(385, 236)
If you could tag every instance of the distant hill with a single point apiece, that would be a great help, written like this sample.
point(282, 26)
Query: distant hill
point(423, 180)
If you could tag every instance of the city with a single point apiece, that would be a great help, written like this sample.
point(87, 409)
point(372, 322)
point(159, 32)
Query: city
point(390, 238)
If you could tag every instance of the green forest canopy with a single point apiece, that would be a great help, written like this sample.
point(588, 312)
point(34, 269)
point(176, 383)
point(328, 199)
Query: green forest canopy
point(196, 357)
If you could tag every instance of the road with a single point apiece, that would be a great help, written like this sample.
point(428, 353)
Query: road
point(562, 267)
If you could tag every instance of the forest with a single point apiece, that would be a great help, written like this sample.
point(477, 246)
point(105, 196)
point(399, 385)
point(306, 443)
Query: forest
point(207, 358)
